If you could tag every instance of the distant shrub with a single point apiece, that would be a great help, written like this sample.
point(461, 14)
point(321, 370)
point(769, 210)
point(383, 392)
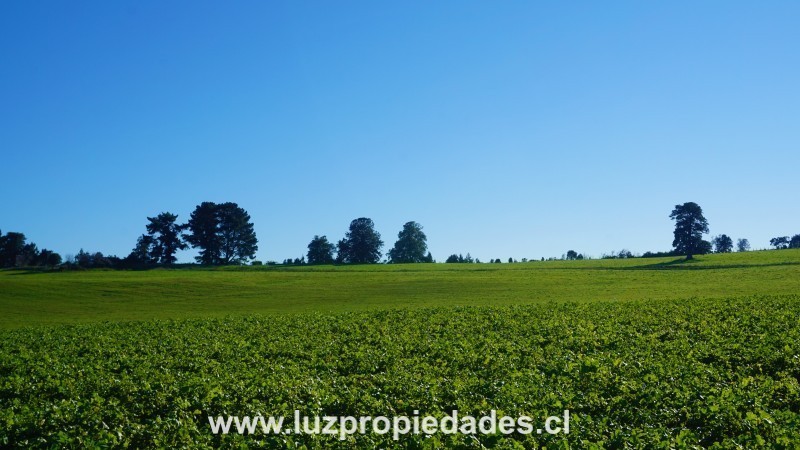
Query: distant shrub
point(780, 243)
point(660, 254)
point(622, 254)
point(742, 245)
point(459, 259)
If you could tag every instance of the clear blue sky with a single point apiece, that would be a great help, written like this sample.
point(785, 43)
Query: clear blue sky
point(507, 129)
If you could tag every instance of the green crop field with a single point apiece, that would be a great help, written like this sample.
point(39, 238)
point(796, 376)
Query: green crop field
point(644, 353)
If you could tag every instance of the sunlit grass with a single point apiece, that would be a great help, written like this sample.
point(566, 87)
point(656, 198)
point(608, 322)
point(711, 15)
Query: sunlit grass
point(31, 298)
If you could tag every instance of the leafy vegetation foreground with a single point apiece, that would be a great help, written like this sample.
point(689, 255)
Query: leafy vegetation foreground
point(720, 373)
point(644, 353)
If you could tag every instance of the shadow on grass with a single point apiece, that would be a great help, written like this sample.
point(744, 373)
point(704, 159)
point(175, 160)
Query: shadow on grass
point(45, 270)
point(13, 271)
point(680, 263)
point(692, 264)
point(675, 263)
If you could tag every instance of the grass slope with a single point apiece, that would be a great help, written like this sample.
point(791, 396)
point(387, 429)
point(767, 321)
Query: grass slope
point(644, 353)
point(35, 298)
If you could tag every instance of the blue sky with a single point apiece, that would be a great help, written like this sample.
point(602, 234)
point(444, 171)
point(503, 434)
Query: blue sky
point(507, 129)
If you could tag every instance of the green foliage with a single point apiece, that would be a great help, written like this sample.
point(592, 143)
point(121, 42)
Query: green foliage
point(48, 258)
point(89, 260)
point(642, 374)
point(143, 254)
point(12, 248)
point(459, 258)
point(16, 252)
point(223, 233)
point(166, 238)
point(362, 244)
point(411, 245)
point(780, 242)
point(742, 245)
point(722, 243)
point(202, 234)
point(320, 251)
point(235, 233)
point(690, 225)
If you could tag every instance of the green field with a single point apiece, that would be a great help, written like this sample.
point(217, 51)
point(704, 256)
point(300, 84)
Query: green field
point(645, 353)
point(31, 298)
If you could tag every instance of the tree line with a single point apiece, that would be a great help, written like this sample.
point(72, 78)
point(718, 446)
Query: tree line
point(16, 252)
point(784, 242)
point(690, 225)
point(362, 244)
point(223, 234)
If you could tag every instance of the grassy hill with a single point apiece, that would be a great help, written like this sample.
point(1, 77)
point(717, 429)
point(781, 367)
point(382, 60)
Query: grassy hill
point(34, 298)
point(643, 353)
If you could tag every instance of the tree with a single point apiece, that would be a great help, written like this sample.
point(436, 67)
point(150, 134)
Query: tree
point(15, 252)
point(100, 260)
point(411, 245)
point(794, 242)
point(84, 259)
point(223, 233)
point(202, 228)
point(690, 225)
point(28, 255)
point(143, 253)
point(572, 254)
point(362, 244)
point(48, 258)
point(166, 234)
point(722, 243)
point(742, 245)
point(12, 245)
point(341, 251)
point(452, 259)
point(237, 239)
point(88, 260)
point(320, 251)
point(780, 242)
